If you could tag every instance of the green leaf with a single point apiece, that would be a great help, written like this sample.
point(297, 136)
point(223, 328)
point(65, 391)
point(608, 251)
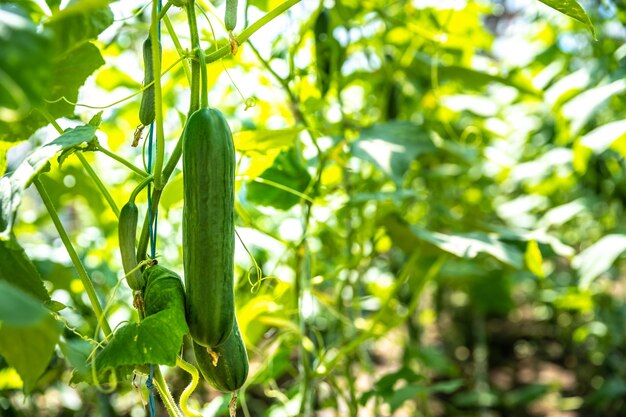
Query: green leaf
point(601, 138)
point(79, 22)
point(19, 308)
point(572, 9)
point(24, 66)
point(581, 108)
point(468, 245)
point(19, 271)
point(281, 183)
point(263, 141)
point(392, 146)
point(12, 186)
point(598, 258)
point(158, 337)
point(69, 72)
point(25, 321)
point(76, 352)
point(533, 259)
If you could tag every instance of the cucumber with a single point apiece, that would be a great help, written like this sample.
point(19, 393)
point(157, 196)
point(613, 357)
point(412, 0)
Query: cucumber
point(127, 235)
point(146, 110)
point(208, 226)
point(231, 370)
point(230, 17)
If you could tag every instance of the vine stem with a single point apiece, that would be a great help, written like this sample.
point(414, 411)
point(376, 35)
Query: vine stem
point(82, 273)
point(177, 45)
point(122, 161)
point(86, 165)
point(99, 183)
point(250, 30)
point(165, 394)
point(158, 101)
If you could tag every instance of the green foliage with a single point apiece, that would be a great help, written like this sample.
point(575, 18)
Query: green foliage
point(429, 204)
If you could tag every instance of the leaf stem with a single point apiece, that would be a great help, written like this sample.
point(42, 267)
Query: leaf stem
point(195, 66)
point(165, 394)
point(178, 46)
point(82, 273)
point(99, 183)
point(250, 30)
point(158, 102)
point(122, 161)
point(140, 187)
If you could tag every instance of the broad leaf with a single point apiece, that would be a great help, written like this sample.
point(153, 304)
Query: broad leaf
point(69, 72)
point(158, 337)
point(280, 185)
point(13, 185)
point(468, 245)
point(581, 108)
point(572, 9)
point(601, 138)
point(533, 259)
point(28, 333)
point(18, 271)
point(24, 65)
point(392, 146)
point(598, 258)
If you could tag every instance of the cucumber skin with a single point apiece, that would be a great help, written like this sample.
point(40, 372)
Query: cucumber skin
point(127, 236)
point(208, 226)
point(146, 109)
point(232, 366)
point(230, 17)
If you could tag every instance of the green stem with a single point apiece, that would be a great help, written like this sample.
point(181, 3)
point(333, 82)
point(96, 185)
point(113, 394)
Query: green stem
point(195, 65)
point(249, 31)
point(165, 394)
point(177, 45)
point(204, 92)
point(164, 10)
point(140, 187)
point(82, 273)
point(122, 161)
point(99, 183)
point(156, 197)
point(158, 102)
point(85, 164)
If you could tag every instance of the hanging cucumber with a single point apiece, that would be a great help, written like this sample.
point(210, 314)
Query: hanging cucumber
point(230, 17)
point(127, 235)
point(208, 226)
point(146, 110)
point(225, 367)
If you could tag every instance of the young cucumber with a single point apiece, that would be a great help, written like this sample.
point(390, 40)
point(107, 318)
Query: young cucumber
point(127, 235)
point(208, 226)
point(146, 110)
point(231, 370)
point(230, 17)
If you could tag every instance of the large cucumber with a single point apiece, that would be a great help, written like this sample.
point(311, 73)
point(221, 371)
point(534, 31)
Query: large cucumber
point(231, 370)
point(208, 226)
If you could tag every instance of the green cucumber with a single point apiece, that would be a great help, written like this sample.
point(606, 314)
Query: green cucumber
point(230, 17)
point(146, 110)
point(127, 235)
point(231, 370)
point(208, 226)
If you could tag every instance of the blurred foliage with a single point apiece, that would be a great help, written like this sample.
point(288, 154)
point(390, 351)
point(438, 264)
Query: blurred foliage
point(433, 193)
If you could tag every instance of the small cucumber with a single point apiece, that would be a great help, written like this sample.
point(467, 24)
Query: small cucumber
point(146, 110)
point(127, 235)
point(230, 17)
point(231, 370)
